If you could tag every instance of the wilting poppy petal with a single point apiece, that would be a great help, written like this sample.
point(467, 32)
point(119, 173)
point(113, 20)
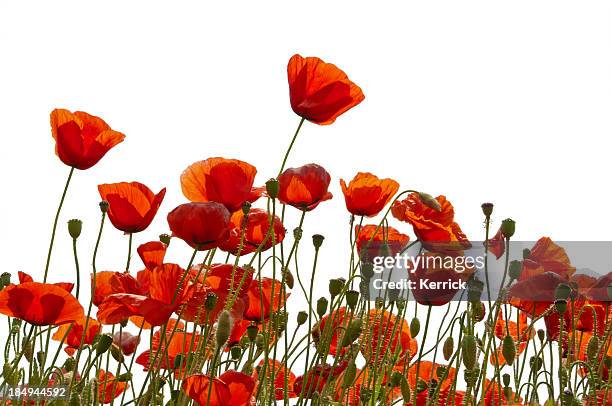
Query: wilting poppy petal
point(81, 140)
point(126, 342)
point(109, 387)
point(201, 225)
point(367, 195)
point(132, 206)
point(221, 180)
point(319, 91)
point(152, 253)
point(41, 304)
point(255, 228)
point(304, 187)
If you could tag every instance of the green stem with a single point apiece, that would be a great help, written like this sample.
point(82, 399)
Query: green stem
point(290, 146)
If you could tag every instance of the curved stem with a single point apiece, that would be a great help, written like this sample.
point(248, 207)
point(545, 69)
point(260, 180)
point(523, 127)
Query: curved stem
point(290, 146)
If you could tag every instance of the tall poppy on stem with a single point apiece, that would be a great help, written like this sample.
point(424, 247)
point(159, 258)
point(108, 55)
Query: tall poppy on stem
point(255, 227)
point(304, 187)
point(201, 225)
point(231, 388)
point(367, 195)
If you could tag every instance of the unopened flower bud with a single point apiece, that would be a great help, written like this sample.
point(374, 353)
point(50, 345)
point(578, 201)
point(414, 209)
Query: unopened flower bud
point(563, 291)
point(487, 209)
point(246, 208)
point(541, 335)
point(165, 238)
point(297, 234)
point(288, 278)
point(321, 306)
point(475, 288)
point(367, 270)
point(478, 311)
point(509, 349)
point(506, 379)
point(352, 333)
point(272, 188)
point(104, 206)
point(235, 352)
point(302, 317)
point(352, 298)
point(429, 201)
point(40, 357)
point(526, 253)
point(448, 348)
point(515, 269)
point(116, 353)
point(252, 332)
point(335, 286)
point(224, 327)
point(468, 347)
point(69, 364)
point(535, 363)
point(74, 228)
point(508, 226)
point(415, 327)
point(210, 302)
point(5, 279)
point(317, 240)
point(104, 343)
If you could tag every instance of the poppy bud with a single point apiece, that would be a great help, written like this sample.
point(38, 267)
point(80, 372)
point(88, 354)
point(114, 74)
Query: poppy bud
point(475, 288)
point(448, 348)
point(5, 279)
point(335, 286)
point(352, 297)
point(104, 206)
point(104, 343)
point(535, 363)
point(560, 306)
point(487, 209)
point(252, 332)
point(235, 352)
point(415, 327)
point(224, 327)
point(246, 208)
point(302, 317)
point(353, 331)
point(506, 379)
point(367, 270)
point(429, 201)
point(396, 379)
point(178, 361)
point(421, 385)
point(288, 278)
point(468, 347)
point(405, 387)
point(478, 311)
point(563, 291)
point(541, 335)
point(40, 357)
point(508, 226)
point(74, 228)
point(526, 253)
point(272, 188)
point(69, 364)
point(471, 376)
point(592, 348)
point(126, 377)
point(321, 306)
point(297, 234)
point(515, 269)
point(349, 375)
point(210, 302)
point(165, 238)
point(259, 341)
point(317, 240)
point(116, 353)
point(509, 349)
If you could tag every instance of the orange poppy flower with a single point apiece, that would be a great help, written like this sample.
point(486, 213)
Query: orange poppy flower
point(304, 187)
point(41, 304)
point(279, 370)
point(109, 387)
point(179, 343)
point(436, 229)
point(255, 226)
point(221, 180)
point(132, 206)
point(73, 339)
point(339, 321)
point(231, 388)
point(319, 91)
point(258, 310)
point(201, 225)
point(126, 341)
point(521, 332)
point(546, 256)
point(316, 378)
point(81, 140)
point(371, 242)
point(367, 195)
point(393, 331)
point(152, 253)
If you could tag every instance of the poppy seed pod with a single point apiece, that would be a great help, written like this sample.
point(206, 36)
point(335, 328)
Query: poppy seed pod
point(563, 291)
point(210, 302)
point(246, 208)
point(415, 327)
point(429, 201)
point(508, 227)
point(165, 238)
point(252, 332)
point(272, 188)
point(526, 253)
point(561, 306)
point(302, 317)
point(468, 347)
point(5, 280)
point(335, 286)
point(535, 363)
point(317, 240)
point(487, 209)
point(448, 348)
point(224, 327)
point(515, 269)
point(506, 379)
point(104, 343)
point(509, 349)
point(541, 335)
point(352, 297)
point(74, 228)
point(322, 306)
point(235, 352)
point(104, 206)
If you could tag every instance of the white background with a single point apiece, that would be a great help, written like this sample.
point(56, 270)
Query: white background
point(479, 100)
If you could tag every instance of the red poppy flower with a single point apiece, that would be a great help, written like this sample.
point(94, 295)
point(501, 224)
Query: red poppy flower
point(304, 187)
point(521, 332)
point(73, 339)
point(535, 294)
point(219, 278)
point(260, 300)
point(126, 341)
point(255, 226)
point(581, 315)
point(201, 225)
point(109, 387)
point(152, 253)
point(221, 180)
point(339, 320)
point(132, 206)
point(231, 388)
point(319, 91)
point(81, 140)
point(372, 243)
point(427, 371)
point(546, 256)
point(179, 343)
point(24, 277)
point(436, 229)
point(316, 378)
point(393, 332)
point(279, 371)
point(109, 283)
point(367, 195)
point(41, 304)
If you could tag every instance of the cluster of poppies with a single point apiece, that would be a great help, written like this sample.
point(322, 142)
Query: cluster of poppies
point(219, 329)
